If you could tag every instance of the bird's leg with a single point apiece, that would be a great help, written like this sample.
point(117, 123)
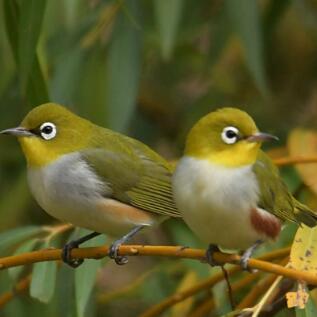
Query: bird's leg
point(247, 254)
point(212, 248)
point(68, 247)
point(114, 248)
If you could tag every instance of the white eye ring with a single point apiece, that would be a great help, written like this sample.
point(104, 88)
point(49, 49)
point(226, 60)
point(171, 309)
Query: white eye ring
point(48, 130)
point(230, 135)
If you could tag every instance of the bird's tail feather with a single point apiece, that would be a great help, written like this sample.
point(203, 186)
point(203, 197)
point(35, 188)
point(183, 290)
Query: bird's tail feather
point(305, 215)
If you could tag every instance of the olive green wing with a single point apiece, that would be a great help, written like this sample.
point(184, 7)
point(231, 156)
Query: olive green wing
point(275, 197)
point(136, 174)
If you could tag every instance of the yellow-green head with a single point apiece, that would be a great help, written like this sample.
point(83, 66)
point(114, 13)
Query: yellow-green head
point(49, 131)
point(227, 137)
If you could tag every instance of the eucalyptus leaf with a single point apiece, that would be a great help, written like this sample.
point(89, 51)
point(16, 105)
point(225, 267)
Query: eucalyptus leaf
point(85, 276)
point(30, 22)
point(168, 16)
point(43, 279)
point(123, 69)
point(12, 237)
point(245, 20)
point(27, 246)
point(32, 80)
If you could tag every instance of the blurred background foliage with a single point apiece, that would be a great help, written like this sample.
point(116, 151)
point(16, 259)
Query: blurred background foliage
point(149, 69)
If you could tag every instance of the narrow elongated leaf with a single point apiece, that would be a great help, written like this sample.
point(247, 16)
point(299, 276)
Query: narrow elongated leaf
point(30, 21)
point(304, 253)
point(6, 59)
point(32, 79)
point(43, 279)
point(85, 276)
point(28, 246)
point(168, 16)
point(11, 15)
point(93, 78)
point(12, 237)
point(36, 90)
point(245, 20)
point(123, 69)
point(65, 78)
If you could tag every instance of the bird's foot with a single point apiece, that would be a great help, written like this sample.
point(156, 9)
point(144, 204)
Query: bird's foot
point(66, 254)
point(244, 261)
point(212, 248)
point(114, 248)
point(68, 247)
point(114, 253)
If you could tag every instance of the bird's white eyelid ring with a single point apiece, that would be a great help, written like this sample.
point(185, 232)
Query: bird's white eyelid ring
point(48, 135)
point(229, 140)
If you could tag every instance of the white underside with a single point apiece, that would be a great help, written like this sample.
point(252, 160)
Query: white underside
point(70, 191)
point(216, 202)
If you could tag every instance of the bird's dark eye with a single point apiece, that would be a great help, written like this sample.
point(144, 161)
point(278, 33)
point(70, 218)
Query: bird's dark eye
point(230, 135)
point(48, 130)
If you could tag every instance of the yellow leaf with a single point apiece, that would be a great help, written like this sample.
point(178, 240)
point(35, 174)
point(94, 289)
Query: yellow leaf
point(304, 250)
point(183, 308)
point(303, 142)
point(298, 298)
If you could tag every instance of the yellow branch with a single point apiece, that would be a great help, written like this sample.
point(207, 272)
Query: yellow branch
point(169, 251)
point(22, 286)
point(282, 161)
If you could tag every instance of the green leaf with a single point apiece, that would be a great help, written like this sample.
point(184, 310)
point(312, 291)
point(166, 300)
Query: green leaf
point(64, 84)
point(123, 69)
point(92, 87)
point(168, 16)
point(33, 86)
point(12, 237)
point(43, 279)
point(245, 19)
point(85, 276)
point(30, 22)
point(28, 246)
point(11, 15)
point(6, 64)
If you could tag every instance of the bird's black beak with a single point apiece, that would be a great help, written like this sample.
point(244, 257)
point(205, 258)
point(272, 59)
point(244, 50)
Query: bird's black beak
point(19, 131)
point(261, 137)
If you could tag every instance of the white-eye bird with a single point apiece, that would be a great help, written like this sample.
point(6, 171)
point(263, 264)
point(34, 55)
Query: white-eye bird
point(93, 177)
point(228, 190)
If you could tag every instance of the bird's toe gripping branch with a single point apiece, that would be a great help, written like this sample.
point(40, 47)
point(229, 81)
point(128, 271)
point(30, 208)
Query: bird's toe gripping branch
point(247, 255)
point(114, 248)
point(68, 247)
point(114, 253)
point(212, 248)
point(66, 255)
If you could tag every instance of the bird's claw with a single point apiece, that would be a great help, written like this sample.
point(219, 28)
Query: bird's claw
point(113, 254)
point(244, 261)
point(66, 255)
point(212, 248)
